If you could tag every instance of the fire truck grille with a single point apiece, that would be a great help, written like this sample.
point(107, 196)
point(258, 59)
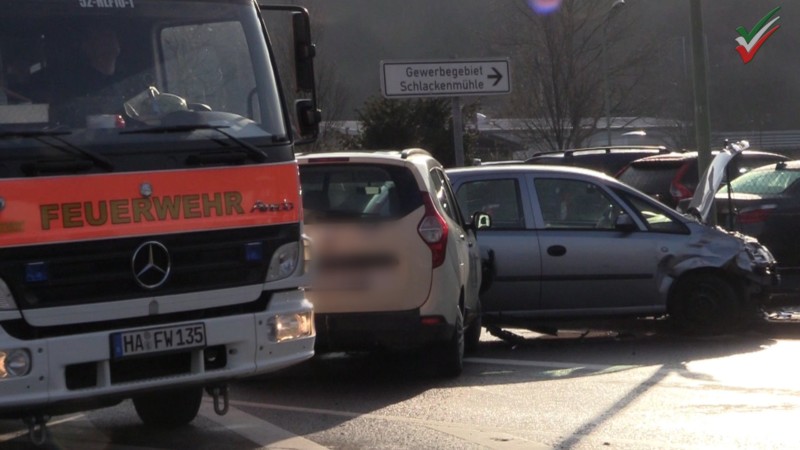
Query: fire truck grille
point(102, 271)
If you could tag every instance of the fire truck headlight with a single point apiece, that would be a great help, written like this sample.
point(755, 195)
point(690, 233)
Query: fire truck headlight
point(284, 327)
point(6, 298)
point(284, 261)
point(14, 363)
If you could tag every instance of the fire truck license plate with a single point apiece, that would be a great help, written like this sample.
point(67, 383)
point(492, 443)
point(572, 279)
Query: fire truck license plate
point(158, 340)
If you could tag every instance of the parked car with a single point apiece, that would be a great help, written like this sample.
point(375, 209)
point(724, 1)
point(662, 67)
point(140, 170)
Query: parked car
point(571, 244)
point(609, 160)
point(765, 203)
point(673, 177)
point(396, 263)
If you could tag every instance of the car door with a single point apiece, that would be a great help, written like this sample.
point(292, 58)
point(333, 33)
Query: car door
point(510, 247)
point(588, 266)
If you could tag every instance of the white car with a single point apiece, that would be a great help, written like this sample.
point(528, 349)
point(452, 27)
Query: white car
point(396, 265)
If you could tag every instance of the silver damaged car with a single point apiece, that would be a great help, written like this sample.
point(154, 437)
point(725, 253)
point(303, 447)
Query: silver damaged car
point(566, 244)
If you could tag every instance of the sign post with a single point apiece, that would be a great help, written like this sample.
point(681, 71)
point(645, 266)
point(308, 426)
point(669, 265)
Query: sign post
point(452, 78)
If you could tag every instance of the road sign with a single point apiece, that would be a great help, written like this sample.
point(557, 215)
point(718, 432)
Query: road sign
point(451, 78)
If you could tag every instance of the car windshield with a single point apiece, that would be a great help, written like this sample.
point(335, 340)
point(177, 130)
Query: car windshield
point(114, 77)
point(764, 182)
point(656, 217)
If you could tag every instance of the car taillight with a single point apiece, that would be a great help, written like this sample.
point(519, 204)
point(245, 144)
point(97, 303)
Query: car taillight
point(432, 320)
point(433, 230)
point(678, 190)
point(757, 215)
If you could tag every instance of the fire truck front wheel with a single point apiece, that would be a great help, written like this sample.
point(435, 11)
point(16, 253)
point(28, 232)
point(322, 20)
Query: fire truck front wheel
point(169, 409)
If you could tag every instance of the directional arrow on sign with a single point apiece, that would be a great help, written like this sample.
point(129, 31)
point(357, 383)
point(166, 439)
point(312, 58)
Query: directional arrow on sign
point(496, 77)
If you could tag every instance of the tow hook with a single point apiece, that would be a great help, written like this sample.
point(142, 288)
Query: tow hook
point(220, 394)
point(37, 429)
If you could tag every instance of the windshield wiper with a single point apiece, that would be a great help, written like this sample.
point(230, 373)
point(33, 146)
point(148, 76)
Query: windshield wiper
point(254, 152)
point(66, 146)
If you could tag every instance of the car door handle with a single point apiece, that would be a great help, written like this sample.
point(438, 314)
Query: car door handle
point(462, 236)
point(557, 250)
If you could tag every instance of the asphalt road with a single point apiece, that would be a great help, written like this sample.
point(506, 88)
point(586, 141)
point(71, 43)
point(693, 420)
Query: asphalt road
point(646, 389)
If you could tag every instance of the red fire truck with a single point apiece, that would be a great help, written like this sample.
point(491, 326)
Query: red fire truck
point(151, 240)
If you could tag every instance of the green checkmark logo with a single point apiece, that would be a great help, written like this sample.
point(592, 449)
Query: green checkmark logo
point(750, 41)
point(748, 35)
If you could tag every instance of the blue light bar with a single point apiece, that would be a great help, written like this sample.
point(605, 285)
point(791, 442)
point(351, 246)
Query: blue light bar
point(254, 252)
point(36, 272)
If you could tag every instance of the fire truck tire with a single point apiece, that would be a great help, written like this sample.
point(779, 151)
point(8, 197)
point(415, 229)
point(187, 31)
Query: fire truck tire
point(169, 409)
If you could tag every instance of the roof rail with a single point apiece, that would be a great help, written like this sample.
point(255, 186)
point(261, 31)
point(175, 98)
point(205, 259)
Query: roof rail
point(605, 148)
point(413, 151)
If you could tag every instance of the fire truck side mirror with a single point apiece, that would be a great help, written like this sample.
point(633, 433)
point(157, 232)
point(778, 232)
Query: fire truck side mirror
point(304, 52)
point(308, 118)
point(307, 112)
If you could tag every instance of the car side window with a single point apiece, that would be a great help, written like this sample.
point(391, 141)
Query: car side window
point(575, 204)
point(499, 199)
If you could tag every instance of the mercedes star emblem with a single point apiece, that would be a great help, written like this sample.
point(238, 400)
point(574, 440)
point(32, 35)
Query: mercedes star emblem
point(151, 264)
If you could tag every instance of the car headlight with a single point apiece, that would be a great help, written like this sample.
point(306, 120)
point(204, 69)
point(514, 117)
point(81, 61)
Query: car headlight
point(759, 254)
point(284, 327)
point(14, 363)
point(284, 261)
point(7, 302)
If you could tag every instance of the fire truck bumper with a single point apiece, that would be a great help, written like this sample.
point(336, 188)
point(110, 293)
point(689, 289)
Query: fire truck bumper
point(75, 372)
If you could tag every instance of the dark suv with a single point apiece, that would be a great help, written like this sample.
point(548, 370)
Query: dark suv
point(609, 159)
point(673, 177)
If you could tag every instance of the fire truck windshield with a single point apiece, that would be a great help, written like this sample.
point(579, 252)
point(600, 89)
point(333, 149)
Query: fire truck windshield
point(102, 68)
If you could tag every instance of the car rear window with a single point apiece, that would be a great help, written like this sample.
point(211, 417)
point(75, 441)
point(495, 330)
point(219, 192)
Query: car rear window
point(603, 160)
point(613, 161)
point(650, 178)
point(342, 192)
point(765, 182)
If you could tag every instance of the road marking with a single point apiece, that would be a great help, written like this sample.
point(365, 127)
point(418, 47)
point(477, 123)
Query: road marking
point(550, 364)
point(71, 418)
point(256, 430)
point(486, 437)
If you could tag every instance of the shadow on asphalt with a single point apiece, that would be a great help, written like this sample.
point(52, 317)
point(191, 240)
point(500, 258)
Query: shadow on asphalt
point(341, 386)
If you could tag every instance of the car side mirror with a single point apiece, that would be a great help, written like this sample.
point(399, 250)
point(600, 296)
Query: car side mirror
point(480, 221)
point(625, 223)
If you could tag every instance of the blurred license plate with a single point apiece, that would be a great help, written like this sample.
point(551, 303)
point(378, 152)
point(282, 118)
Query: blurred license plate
point(340, 282)
point(158, 340)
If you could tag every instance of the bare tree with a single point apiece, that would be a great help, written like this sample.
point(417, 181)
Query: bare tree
point(559, 69)
point(332, 91)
